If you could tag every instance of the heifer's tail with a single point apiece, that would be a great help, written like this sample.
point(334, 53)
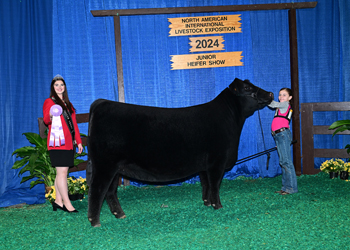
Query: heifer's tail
point(89, 163)
point(88, 172)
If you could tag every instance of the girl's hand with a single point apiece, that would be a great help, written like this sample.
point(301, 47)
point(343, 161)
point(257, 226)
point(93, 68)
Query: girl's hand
point(80, 148)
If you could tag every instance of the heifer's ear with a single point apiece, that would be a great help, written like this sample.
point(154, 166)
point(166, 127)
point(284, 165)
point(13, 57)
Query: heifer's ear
point(235, 86)
point(237, 80)
point(247, 81)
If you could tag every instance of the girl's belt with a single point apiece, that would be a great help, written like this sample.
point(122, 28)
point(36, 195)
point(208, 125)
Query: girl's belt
point(278, 131)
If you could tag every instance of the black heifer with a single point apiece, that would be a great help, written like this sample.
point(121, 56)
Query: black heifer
point(166, 144)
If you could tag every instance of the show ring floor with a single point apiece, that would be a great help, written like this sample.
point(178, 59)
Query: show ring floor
point(174, 217)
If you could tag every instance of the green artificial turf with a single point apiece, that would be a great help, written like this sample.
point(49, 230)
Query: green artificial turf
point(174, 217)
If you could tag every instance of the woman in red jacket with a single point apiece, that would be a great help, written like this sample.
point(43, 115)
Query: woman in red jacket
point(61, 149)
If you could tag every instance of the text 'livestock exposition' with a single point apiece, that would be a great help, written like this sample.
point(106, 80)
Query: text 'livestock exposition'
point(184, 26)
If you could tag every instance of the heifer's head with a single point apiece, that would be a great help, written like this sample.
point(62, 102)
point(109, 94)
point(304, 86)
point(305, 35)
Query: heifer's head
point(250, 96)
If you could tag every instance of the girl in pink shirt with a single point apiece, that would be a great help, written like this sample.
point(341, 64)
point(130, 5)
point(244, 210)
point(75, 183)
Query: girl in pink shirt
point(283, 138)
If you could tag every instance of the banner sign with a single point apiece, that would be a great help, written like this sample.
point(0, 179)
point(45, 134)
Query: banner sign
point(206, 43)
point(186, 26)
point(208, 60)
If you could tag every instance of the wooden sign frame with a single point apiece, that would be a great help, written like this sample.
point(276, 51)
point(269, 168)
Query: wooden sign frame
point(291, 7)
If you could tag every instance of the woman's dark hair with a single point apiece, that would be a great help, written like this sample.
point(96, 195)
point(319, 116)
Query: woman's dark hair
point(53, 94)
point(290, 94)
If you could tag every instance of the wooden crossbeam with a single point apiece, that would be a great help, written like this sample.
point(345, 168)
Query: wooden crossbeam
point(203, 9)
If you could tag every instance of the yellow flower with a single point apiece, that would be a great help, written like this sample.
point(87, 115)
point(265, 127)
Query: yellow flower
point(77, 185)
point(347, 166)
point(334, 165)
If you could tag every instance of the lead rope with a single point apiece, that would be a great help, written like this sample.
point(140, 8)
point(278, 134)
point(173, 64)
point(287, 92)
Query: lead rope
point(262, 132)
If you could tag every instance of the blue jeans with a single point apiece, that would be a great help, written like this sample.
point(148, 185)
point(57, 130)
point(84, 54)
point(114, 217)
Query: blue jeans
point(289, 178)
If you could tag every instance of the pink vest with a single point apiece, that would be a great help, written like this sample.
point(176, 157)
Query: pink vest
point(280, 122)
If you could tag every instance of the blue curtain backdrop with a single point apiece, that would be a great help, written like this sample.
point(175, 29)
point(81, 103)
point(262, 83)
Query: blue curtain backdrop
point(25, 71)
point(43, 38)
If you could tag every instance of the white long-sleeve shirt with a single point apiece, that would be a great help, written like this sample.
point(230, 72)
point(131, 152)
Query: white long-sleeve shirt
point(282, 106)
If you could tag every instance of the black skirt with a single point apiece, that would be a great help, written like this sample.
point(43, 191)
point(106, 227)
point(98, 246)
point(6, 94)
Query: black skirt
point(62, 158)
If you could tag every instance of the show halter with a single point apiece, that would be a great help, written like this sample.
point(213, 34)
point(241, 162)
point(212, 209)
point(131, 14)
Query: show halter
point(56, 127)
point(267, 152)
point(252, 95)
point(248, 158)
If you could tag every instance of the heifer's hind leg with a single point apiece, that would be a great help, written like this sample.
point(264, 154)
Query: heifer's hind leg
point(205, 188)
point(112, 199)
point(100, 183)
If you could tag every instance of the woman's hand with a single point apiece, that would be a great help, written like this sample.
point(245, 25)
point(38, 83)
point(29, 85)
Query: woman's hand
point(80, 148)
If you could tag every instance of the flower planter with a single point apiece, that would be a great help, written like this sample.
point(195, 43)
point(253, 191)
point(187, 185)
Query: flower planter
point(344, 175)
point(333, 175)
point(47, 189)
point(74, 197)
point(78, 187)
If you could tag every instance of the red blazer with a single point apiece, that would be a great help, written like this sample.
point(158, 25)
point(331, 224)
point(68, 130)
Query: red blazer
point(67, 135)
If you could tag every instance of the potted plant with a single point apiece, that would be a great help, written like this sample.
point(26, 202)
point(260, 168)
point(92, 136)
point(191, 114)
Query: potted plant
point(77, 188)
point(344, 173)
point(332, 167)
point(36, 160)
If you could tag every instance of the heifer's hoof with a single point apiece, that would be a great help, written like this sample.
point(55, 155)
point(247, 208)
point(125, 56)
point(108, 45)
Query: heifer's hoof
point(216, 206)
point(206, 203)
point(94, 223)
point(119, 216)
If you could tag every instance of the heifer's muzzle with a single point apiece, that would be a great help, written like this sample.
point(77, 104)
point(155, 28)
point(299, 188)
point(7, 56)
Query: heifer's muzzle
point(255, 96)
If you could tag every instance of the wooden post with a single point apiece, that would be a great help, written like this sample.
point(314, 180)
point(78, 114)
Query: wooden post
point(118, 52)
point(294, 76)
point(308, 138)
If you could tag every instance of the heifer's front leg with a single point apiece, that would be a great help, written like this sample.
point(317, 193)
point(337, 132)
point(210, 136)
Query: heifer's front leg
point(97, 191)
point(215, 178)
point(112, 199)
point(205, 188)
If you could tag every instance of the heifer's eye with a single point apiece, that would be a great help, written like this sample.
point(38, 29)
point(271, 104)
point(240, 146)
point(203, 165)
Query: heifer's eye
point(247, 88)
